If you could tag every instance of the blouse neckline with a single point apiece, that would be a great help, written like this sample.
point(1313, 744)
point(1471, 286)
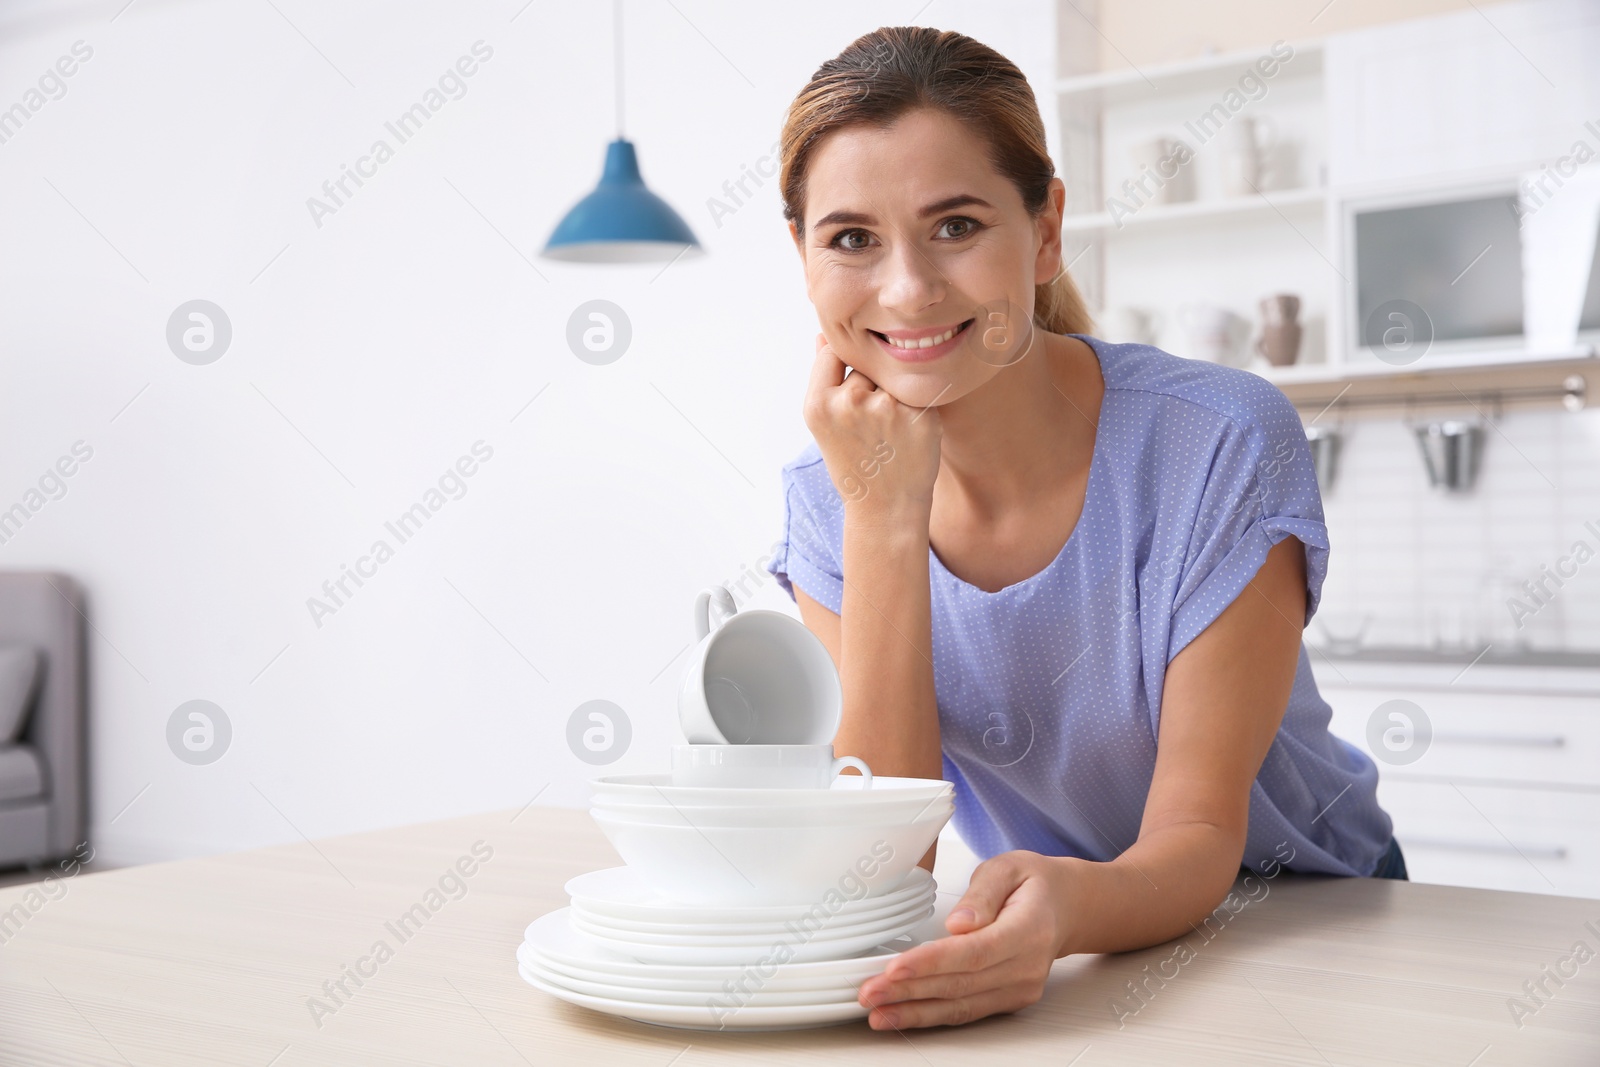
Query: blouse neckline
point(1090, 500)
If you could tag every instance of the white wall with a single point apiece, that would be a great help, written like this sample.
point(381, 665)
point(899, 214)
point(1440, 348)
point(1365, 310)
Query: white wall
point(368, 356)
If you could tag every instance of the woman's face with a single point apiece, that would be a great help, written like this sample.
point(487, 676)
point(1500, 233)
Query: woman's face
point(910, 233)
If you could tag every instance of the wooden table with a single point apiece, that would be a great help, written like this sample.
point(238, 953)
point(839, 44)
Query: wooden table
point(216, 961)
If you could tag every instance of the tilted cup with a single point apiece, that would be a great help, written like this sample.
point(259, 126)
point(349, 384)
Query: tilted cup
point(756, 678)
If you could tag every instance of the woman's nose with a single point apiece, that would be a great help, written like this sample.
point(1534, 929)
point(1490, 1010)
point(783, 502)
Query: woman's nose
point(911, 280)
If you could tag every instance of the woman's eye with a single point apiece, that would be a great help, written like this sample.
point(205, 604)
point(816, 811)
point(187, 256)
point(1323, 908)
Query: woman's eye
point(964, 227)
point(851, 240)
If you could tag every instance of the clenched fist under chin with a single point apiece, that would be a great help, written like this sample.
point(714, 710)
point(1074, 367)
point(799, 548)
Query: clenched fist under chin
point(883, 455)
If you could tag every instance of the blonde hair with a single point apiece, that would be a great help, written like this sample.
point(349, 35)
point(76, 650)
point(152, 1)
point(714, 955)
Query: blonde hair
point(895, 69)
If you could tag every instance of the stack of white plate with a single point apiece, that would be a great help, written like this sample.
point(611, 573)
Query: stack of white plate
point(759, 994)
point(743, 908)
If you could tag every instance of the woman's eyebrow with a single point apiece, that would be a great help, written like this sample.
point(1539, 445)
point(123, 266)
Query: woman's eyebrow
point(853, 218)
point(856, 218)
point(950, 203)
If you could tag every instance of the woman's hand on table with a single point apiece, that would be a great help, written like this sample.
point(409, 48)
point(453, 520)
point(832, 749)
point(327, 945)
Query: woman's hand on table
point(883, 455)
point(1005, 933)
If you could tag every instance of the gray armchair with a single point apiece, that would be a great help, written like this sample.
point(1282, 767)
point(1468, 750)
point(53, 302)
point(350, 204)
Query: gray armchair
point(43, 779)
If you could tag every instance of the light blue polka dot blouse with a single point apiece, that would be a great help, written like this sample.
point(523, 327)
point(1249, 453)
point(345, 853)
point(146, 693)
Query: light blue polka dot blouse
point(1049, 690)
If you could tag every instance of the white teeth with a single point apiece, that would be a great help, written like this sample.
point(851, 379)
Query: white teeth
point(926, 342)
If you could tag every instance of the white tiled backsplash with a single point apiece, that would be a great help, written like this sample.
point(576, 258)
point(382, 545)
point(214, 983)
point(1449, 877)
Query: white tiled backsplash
point(1425, 568)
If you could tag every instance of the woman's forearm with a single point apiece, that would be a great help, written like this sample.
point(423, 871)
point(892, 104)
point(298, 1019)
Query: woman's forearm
point(890, 718)
point(1165, 885)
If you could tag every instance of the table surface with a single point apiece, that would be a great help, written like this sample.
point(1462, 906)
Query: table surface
point(216, 961)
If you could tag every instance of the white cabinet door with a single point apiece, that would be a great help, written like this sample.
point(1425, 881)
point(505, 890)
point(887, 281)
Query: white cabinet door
point(1527, 840)
point(1498, 790)
point(1498, 89)
point(1512, 739)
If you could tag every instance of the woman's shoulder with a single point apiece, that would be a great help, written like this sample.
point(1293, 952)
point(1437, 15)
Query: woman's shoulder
point(806, 477)
point(810, 456)
point(1170, 382)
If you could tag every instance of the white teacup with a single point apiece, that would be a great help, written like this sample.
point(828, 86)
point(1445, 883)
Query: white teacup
point(761, 766)
point(1212, 334)
point(756, 678)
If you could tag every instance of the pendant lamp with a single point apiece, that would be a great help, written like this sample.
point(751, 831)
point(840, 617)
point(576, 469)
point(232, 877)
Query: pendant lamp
point(621, 221)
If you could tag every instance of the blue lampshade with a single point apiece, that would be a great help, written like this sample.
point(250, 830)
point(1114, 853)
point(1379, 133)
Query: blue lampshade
point(621, 221)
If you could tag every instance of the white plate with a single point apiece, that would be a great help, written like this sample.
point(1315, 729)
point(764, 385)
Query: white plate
point(552, 937)
point(700, 1017)
point(779, 982)
point(801, 948)
point(622, 893)
point(821, 922)
point(743, 935)
point(607, 925)
point(760, 996)
point(906, 917)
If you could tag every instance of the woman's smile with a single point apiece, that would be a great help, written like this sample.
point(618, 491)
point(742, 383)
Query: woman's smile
point(922, 345)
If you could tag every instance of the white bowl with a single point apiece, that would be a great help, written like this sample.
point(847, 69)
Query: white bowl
point(830, 815)
point(847, 789)
point(772, 865)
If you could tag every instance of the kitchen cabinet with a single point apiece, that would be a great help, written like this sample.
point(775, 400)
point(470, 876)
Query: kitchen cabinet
point(1411, 113)
point(1491, 774)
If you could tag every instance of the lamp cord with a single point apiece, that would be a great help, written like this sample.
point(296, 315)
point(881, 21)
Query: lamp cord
point(616, 28)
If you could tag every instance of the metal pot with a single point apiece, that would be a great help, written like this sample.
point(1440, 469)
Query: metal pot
point(1451, 451)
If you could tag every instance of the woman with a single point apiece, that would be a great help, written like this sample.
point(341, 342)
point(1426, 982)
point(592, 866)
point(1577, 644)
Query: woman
point(1068, 576)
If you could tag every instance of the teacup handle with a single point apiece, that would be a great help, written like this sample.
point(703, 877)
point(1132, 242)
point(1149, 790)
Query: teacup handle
point(851, 761)
point(716, 598)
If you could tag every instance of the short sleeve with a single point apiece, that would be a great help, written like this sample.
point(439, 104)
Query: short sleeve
point(809, 553)
point(1261, 488)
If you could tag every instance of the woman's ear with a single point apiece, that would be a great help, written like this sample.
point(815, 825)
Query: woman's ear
point(1048, 262)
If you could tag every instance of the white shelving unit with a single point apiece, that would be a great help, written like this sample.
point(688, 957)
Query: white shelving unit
point(1228, 251)
point(1359, 119)
point(1199, 211)
point(1112, 87)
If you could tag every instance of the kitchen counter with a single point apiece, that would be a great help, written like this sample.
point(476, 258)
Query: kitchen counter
point(224, 960)
point(1490, 656)
point(1570, 673)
